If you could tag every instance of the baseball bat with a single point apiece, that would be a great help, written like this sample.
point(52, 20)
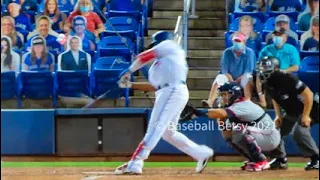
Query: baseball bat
point(96, 101)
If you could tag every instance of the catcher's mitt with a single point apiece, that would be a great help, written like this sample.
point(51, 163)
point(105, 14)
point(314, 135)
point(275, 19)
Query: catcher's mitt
point(188, 113)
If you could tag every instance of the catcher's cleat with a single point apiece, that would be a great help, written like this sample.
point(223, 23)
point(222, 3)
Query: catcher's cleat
point(202, 164)
point(243, 167)
point(313, 165)
point(279, 163)
point(258, 166)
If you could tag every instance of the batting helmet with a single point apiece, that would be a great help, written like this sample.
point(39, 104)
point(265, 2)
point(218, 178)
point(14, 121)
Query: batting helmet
point(233, 89)
point(266, 66)
point(160, 36)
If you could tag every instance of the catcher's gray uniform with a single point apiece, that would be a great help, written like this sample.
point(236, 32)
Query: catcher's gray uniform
point(253, 130)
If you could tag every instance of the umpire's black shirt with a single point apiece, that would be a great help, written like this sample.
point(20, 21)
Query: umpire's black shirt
point(285, 89)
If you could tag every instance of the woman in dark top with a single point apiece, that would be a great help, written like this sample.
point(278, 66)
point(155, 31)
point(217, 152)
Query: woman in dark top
point(52, 11)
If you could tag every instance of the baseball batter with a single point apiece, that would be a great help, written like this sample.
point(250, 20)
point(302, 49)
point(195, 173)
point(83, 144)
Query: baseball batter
point(167, 76)
point(247, 127)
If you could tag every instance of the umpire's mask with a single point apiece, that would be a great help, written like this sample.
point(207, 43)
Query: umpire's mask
point(266, 66)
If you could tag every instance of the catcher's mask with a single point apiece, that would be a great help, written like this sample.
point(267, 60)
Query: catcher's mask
point(230, 92)
point(266, 66)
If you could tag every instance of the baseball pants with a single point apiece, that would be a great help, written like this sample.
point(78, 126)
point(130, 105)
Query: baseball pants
point(301, 135)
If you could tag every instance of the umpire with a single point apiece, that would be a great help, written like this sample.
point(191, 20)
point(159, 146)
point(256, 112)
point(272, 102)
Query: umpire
point(297, 100)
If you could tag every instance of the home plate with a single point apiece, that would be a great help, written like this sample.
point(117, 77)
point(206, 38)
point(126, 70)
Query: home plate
point(99, 173)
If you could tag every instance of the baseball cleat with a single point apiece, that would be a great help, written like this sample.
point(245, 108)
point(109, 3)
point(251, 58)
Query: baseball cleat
point(202, 164)
point(313, 165)
point(123, 170)
point(243, 167)
point(279, 163)
point(258, 166)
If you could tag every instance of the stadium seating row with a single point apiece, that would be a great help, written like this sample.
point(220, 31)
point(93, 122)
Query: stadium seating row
point(104, 77)
point(45, 84)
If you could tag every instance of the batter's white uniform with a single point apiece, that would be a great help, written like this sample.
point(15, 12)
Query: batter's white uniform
point(168, 74)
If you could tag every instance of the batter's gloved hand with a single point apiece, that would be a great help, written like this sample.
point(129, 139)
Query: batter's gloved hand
point(190, 112)
point(124, 79)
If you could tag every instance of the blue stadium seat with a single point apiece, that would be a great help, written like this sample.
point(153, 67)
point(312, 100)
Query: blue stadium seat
point(270, 24)
point(293, 14)
point(131, 8)
point(115, 46)
point(304, 54)
point(299, 32)
point(36, 85)
point(257, 25)
point(125, 26)
point(112, 62)
point(259, 15)
point(105, 80)
point(72, 83)
point(92, 54)
point(309, 72)
point(8, 85)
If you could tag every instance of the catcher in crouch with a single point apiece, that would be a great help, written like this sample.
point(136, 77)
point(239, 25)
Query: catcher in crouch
point(247, 127)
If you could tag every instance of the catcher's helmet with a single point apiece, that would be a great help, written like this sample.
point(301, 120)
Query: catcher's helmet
point(233, 89)
point(266, 66)
point(160, 36)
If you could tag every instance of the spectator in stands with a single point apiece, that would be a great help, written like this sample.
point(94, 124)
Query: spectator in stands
point(74, 58)
point(252, 6)
point(79, 29)
point(237, 65)
point(43, 28)
point(312, 43)
point(22, 21)
point(287, 54)
point(29, 5)
point(85, 8)
point(283, 22)
point(285, 5)
point(39, 59)
point(52, 11)
point(253, 40)
point(10, 60)
point(305, 17)
point(8, 29)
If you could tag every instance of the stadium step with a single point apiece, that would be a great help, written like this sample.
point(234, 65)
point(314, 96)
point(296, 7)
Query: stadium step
point(194, 24)
point(198, 33)
point(204, 53)
point(211, 5)
point(204, 62)
point(194, 83)
point(200, 43)
point(201, 13)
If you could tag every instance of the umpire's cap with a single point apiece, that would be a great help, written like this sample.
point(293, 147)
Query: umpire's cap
point(160, 36)
point(266, 66)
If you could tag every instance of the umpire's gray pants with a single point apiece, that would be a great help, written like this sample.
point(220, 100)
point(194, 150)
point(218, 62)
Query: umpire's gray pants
point(301, 135)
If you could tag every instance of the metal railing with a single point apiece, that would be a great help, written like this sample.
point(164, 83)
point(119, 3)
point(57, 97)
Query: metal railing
point(181, 29)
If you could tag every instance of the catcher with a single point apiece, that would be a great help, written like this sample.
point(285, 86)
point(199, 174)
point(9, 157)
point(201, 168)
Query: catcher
point(247, 127)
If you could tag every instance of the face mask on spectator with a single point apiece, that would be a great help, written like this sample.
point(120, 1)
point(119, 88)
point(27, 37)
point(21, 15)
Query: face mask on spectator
point(84, 8)
point(237, 46)
point(277, 40)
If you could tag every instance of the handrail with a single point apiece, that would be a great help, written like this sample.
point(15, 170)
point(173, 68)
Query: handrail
point(181, 28)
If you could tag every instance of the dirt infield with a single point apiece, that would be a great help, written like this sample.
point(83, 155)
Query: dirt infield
point(70, 173)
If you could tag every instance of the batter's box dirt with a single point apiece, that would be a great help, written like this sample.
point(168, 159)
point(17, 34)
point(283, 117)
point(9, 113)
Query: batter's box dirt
point(71, 173)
